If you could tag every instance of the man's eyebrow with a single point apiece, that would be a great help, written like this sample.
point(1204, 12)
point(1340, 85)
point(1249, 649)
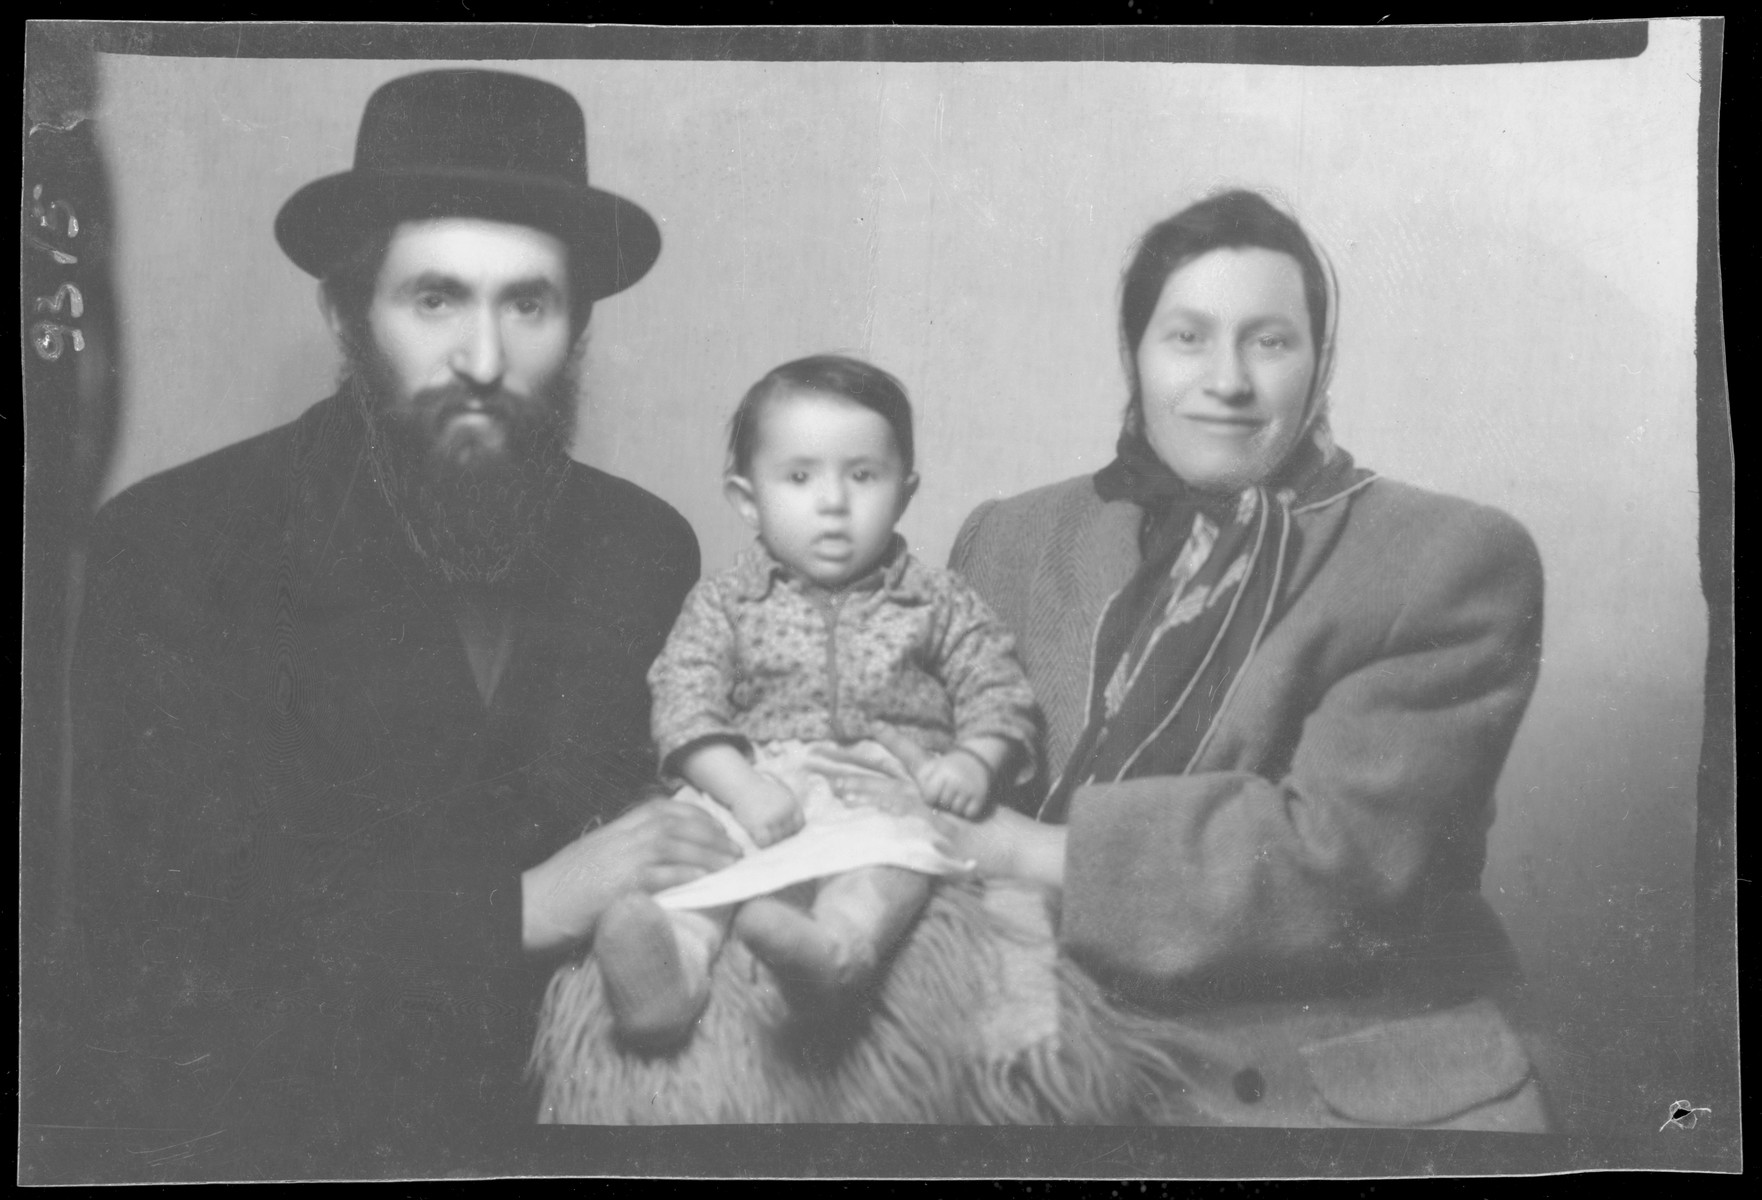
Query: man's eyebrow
point(435, 281)
point(452, 285)
point(533, 285)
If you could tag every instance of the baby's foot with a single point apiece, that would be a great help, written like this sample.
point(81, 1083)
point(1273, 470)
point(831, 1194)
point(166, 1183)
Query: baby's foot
point(800, 950)
point(653, 998)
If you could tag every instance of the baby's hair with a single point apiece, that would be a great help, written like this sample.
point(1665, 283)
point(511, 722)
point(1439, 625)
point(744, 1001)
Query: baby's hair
point(851, 378)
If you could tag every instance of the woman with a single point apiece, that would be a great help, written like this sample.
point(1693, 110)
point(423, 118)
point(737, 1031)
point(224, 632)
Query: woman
point(1282, 689)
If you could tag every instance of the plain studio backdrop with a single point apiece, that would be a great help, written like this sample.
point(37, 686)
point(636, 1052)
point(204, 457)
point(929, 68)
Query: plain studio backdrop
point(1516, 252)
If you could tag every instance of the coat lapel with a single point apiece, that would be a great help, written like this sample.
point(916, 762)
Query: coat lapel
point(1090, 554)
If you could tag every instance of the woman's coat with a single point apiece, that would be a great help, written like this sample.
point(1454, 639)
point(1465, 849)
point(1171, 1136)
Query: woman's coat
point(1311, 887)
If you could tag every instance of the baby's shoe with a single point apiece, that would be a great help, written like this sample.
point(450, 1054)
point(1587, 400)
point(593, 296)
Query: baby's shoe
point(652, 993)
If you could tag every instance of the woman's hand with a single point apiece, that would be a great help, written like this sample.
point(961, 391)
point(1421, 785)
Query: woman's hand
point(1008, 845)
point(660, 845)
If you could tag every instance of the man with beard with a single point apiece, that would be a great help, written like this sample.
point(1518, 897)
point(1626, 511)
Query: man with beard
point(347, 694)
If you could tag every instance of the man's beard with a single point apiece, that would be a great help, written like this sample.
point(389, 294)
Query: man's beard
point(471, 523)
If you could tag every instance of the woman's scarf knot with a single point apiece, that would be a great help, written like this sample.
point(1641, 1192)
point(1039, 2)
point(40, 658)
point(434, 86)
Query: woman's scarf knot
point(1172, 643)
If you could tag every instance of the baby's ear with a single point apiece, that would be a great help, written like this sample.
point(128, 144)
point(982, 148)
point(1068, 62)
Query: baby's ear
point(907, 491)
point(739, 491)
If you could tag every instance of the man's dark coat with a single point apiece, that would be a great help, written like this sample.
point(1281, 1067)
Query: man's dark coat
point(299, 828)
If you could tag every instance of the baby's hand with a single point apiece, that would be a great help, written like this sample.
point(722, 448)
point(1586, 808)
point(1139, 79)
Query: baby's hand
point(957, 782)
point(767, 810)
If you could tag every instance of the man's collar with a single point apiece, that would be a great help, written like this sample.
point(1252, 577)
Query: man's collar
point(897, 574)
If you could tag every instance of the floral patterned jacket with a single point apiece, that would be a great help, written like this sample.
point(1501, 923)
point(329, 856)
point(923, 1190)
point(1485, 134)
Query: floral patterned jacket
point(760, 655)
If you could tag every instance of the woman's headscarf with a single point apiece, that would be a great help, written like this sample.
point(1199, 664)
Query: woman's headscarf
point(1173, 640)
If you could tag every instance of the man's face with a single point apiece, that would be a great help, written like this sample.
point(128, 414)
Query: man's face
point(471, 338)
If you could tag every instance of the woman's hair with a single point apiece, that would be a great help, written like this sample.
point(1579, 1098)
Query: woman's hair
point(350, 279)
point(851, 378)
point(1231, 220)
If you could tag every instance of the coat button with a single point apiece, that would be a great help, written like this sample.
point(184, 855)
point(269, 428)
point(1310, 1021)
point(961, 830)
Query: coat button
point(1250, 1085)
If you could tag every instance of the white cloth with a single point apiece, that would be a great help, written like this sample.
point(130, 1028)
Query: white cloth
point(836, 837)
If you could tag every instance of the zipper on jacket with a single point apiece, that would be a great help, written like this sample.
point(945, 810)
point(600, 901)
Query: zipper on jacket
point(830, 606)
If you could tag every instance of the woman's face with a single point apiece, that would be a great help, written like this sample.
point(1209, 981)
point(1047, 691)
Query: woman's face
point(1224, 367)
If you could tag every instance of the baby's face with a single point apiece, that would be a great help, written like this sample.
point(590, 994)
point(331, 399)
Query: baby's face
point(825, 487)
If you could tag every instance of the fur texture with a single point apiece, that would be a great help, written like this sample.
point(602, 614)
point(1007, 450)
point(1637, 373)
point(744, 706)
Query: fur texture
point(978, 1020)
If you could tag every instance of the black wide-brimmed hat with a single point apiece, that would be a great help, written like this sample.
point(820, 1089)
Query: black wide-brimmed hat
point(470, 143)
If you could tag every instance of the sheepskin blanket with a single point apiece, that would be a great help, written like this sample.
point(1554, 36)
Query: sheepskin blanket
point(977, 1020)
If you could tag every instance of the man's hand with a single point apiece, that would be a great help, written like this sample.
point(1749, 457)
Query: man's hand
point(660, 845)
point(765, 808)
point(957, 782)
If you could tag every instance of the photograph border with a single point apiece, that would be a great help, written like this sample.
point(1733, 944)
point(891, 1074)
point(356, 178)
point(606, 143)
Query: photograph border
point(895, 1152)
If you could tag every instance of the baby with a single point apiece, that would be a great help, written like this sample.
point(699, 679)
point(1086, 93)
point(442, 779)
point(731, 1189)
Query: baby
point(826, 630)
